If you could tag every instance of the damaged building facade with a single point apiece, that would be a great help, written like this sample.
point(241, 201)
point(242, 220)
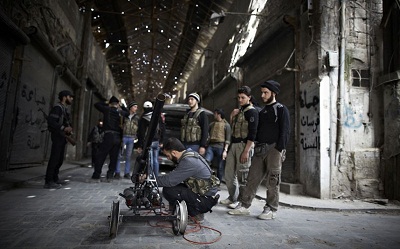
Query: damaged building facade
point(337, 62)
point(338, 75)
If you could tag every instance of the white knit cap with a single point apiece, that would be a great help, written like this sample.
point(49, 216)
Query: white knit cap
point(147, 104)
point(196, 96)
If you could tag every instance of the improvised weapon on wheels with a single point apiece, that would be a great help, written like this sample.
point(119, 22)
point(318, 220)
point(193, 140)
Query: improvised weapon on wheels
point(144, 197)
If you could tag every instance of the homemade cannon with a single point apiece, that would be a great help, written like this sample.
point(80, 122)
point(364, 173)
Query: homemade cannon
point(144, 199)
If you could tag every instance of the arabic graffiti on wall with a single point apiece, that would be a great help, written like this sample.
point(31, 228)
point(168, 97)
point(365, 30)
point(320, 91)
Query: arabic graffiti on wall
point(309, 120)
point(32, 116)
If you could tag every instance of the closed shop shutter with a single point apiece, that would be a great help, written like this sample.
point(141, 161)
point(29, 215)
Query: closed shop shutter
point(6, 50)
point(31, 142)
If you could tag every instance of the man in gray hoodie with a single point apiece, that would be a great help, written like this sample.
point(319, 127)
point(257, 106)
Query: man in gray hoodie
point(189, 181)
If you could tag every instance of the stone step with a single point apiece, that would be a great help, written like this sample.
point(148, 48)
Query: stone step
point(291, 188)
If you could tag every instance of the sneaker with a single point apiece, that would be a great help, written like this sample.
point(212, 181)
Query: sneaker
point(198, 218)
point(52, 185)
point(233, 205)
point(267, 214)
point(239, 210)
point(227, 201)
point(117, 176)
point(127, 176)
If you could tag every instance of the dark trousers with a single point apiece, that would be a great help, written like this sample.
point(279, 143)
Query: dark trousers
point(110, 146)
point(56, 157)
point(196, 204)
point(95, 149)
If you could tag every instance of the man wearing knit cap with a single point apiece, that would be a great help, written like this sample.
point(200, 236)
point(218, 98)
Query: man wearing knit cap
point(59, 125)
point(158, 137)
point(194, 130)
point(238, 160)
point(271, 140)
point(112, 116)
point(129, 130)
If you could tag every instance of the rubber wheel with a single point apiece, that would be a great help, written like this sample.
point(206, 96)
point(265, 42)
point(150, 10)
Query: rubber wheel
point(114, 219)
point(179, 225)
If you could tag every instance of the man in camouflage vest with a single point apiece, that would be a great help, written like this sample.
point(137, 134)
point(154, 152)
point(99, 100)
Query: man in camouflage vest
point(220, 139)
point(238, 161)
point(194, 129)
point(191, 180)
point(130, 127)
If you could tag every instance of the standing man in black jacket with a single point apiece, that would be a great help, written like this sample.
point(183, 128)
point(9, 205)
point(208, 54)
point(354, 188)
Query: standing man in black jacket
point(272, 137)
point(59, 125)
point(112, 116)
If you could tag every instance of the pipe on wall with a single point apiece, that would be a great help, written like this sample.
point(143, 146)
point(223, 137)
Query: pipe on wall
point(8, 27)
point(341, 94)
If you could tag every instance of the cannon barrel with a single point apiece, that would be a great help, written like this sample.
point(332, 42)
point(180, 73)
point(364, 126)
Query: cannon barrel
point(155, 117)
point(140, 164)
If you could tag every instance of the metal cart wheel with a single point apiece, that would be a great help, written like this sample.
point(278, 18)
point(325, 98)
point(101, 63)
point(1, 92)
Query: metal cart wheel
point(179, 225)
point(114, 219)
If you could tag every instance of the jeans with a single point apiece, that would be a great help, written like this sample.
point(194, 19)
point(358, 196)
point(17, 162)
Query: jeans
point(155, 149)
point(194, 147)
point(217, 152)
point(128, 141)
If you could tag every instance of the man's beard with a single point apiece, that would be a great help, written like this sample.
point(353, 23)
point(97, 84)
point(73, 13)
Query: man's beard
point(269, 100)
point(174, 159)
point(68, 102)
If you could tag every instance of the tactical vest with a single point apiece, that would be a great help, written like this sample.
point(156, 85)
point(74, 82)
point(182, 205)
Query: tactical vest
point(217, 132)
point(190, 128)
point(131, 126)
point(62, 120)
point(200, 186)
point(240, 124)
point(97, 135)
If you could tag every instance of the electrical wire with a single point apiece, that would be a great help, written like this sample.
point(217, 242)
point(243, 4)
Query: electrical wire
point(198, 227)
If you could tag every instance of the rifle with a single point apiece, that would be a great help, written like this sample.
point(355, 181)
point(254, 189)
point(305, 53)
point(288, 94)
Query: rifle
point(68, 136)
point(143, 161)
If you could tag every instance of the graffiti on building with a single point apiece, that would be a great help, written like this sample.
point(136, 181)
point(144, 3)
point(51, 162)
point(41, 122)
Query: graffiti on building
point(308, 104)
point(309, 121)
point(312, 144)
point(33, 120)
point(32, 95)
point(352, 120)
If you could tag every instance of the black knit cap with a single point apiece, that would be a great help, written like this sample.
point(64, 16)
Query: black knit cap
point(132, 104)
point(271, 85)
point(64, 93)
point(113, 99)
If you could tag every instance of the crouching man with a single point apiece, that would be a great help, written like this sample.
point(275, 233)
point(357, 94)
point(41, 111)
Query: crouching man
point(191, 181)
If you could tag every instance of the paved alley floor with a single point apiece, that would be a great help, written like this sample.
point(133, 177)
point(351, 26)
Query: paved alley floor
point(76, 216)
